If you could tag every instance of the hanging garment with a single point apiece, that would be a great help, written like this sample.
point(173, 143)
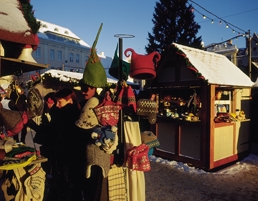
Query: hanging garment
point(126, 97)
point(116, 184)
point(135, 180)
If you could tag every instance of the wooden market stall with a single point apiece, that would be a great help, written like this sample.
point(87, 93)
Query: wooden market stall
point(18, 38)
point(193, 124)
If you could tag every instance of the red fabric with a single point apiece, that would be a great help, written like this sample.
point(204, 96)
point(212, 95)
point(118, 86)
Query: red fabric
point(126, 97)
point(108, 111)
point(138, 158)
point(18, 127)
point(142, 66)
point(2, 154)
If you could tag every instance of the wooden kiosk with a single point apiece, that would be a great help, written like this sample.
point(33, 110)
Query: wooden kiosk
point(187, 82)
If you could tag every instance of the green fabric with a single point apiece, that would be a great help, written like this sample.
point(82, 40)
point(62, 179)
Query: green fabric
point(94, 73)
point(19, 150)
point(113, 70)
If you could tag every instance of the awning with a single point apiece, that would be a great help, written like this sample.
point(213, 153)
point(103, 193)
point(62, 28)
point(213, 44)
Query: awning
point(11, 66)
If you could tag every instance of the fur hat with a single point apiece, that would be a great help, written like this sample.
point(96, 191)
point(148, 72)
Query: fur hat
point(94, 73)
point(142, 66)
point(113, 70)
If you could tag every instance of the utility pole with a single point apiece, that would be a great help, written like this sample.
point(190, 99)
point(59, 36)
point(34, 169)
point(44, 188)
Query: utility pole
point(249, 40)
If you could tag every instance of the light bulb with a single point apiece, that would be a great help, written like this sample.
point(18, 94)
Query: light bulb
point(204, 17)
point(212, 21)
point(227, 26)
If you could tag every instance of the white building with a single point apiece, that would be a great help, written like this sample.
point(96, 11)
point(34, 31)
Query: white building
point(62, 50)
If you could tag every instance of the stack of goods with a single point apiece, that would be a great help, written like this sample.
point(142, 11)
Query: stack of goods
point(15, 155)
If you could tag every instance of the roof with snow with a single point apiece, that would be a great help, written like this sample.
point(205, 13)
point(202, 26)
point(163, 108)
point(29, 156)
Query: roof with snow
point(13, 25)
point(215, 68)
point(66, 76)
point(47, 27)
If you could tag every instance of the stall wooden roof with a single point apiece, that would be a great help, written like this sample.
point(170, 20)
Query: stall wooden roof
point(215, 68)
point(15, 30)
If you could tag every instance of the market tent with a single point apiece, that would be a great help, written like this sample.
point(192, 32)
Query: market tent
point(212, 67)
point(15, 33)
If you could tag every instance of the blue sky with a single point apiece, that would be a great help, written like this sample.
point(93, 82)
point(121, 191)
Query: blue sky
point(134, 17)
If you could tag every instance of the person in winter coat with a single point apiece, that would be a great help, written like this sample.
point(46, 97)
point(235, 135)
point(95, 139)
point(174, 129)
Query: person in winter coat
point(64, 141)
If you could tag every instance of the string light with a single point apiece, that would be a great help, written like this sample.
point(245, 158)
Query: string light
point(228, 25)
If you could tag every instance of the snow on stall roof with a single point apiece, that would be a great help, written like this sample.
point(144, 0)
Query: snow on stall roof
point(13, 26)
point(66, 75)
point(216, 68)
point(11, 17)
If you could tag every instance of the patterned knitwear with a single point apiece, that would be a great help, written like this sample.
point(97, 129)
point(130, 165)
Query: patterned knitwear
point(150, 139)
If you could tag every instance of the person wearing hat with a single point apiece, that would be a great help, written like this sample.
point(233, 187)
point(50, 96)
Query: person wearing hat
point(94, 77)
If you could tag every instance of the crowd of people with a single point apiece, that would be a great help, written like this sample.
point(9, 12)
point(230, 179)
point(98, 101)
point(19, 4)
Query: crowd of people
point(64, 145)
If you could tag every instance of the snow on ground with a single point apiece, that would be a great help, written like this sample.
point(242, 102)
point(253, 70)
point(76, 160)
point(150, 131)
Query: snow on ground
point(246, 164)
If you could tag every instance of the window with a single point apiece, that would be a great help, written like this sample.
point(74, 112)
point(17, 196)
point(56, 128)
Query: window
point(59, 55)
point(77, 58)
point(38, 52)
point(71, 57)
point(52, 54)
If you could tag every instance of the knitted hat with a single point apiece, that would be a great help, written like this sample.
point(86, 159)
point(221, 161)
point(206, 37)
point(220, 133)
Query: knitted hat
point(96, 156)
point(142, 66)
point(113, 70)
point(150, 139)
point(13, 120)
point(87, 118)
point(94, 73)
point(147, 108)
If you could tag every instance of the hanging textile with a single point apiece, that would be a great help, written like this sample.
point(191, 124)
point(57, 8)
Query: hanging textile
point(116, 184)
point(135, 180)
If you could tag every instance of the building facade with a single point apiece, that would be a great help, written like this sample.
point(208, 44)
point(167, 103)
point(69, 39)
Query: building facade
point(61, 48)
